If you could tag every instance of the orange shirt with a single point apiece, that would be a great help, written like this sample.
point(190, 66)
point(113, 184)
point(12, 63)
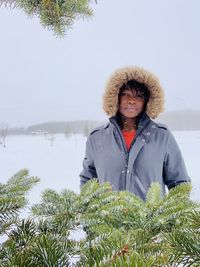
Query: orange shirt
point(129, 137)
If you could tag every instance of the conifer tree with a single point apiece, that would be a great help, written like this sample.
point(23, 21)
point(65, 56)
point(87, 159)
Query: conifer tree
point(13, 198)
point(55, 15)
point(120, 229)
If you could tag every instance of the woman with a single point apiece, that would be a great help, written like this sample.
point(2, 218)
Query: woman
point(132, 151)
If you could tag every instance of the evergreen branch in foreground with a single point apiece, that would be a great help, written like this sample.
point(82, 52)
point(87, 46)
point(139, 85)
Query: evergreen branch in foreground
point(120, 229)
point(13, 197)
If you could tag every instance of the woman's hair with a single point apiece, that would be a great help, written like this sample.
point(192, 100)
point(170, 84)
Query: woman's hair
point(139, 87)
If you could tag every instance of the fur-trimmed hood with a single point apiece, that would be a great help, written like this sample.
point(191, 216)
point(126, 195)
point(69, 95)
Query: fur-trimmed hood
point(155, 104)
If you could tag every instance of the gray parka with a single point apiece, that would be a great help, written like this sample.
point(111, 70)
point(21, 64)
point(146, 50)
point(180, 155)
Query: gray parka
point(154, 155)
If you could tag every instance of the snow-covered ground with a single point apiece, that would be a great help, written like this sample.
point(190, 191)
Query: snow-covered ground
point(59, 165)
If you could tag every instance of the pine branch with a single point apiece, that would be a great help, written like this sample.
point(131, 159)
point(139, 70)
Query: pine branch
point(121, 229)
point(185, 246)
point(55, 15)
point(48, 252)
point(18, 185)
point(13, 197)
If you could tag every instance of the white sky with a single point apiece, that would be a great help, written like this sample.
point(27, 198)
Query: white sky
point(45, 78)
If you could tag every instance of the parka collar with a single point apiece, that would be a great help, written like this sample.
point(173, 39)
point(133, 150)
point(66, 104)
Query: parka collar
point(143, 121)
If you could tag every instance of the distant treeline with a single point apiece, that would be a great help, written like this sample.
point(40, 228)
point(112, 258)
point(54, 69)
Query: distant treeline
point(181, 120)
point(67, 127)
point(175, 120)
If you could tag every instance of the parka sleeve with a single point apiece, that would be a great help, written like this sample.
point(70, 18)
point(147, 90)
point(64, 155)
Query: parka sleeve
point(174, 169)
point(89, 171)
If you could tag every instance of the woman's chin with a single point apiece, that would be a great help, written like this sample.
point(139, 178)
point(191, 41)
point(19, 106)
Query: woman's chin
point(130, 115)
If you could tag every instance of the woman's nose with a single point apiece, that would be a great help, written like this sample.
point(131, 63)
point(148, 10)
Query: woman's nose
point(131, 99)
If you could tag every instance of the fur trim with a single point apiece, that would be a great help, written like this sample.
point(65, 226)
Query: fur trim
point(155, 104)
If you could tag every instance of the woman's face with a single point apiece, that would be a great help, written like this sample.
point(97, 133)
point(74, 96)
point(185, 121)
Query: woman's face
point(131, 103)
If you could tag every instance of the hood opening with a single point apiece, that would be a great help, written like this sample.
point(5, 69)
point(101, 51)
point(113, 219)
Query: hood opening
point(140, 77)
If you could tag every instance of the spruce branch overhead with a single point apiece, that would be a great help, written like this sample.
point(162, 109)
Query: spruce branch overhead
point(55, 15)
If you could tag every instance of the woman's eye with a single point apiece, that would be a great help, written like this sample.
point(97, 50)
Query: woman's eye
point(140, 96)
point(125, 94)
point(128, 95)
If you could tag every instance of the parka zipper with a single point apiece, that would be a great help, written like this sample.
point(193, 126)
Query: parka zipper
point(125, 149)
point(127, 152)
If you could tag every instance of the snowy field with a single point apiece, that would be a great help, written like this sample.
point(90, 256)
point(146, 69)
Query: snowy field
point(59, 165)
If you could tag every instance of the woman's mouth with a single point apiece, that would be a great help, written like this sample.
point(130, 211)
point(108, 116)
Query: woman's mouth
point(131, 109)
